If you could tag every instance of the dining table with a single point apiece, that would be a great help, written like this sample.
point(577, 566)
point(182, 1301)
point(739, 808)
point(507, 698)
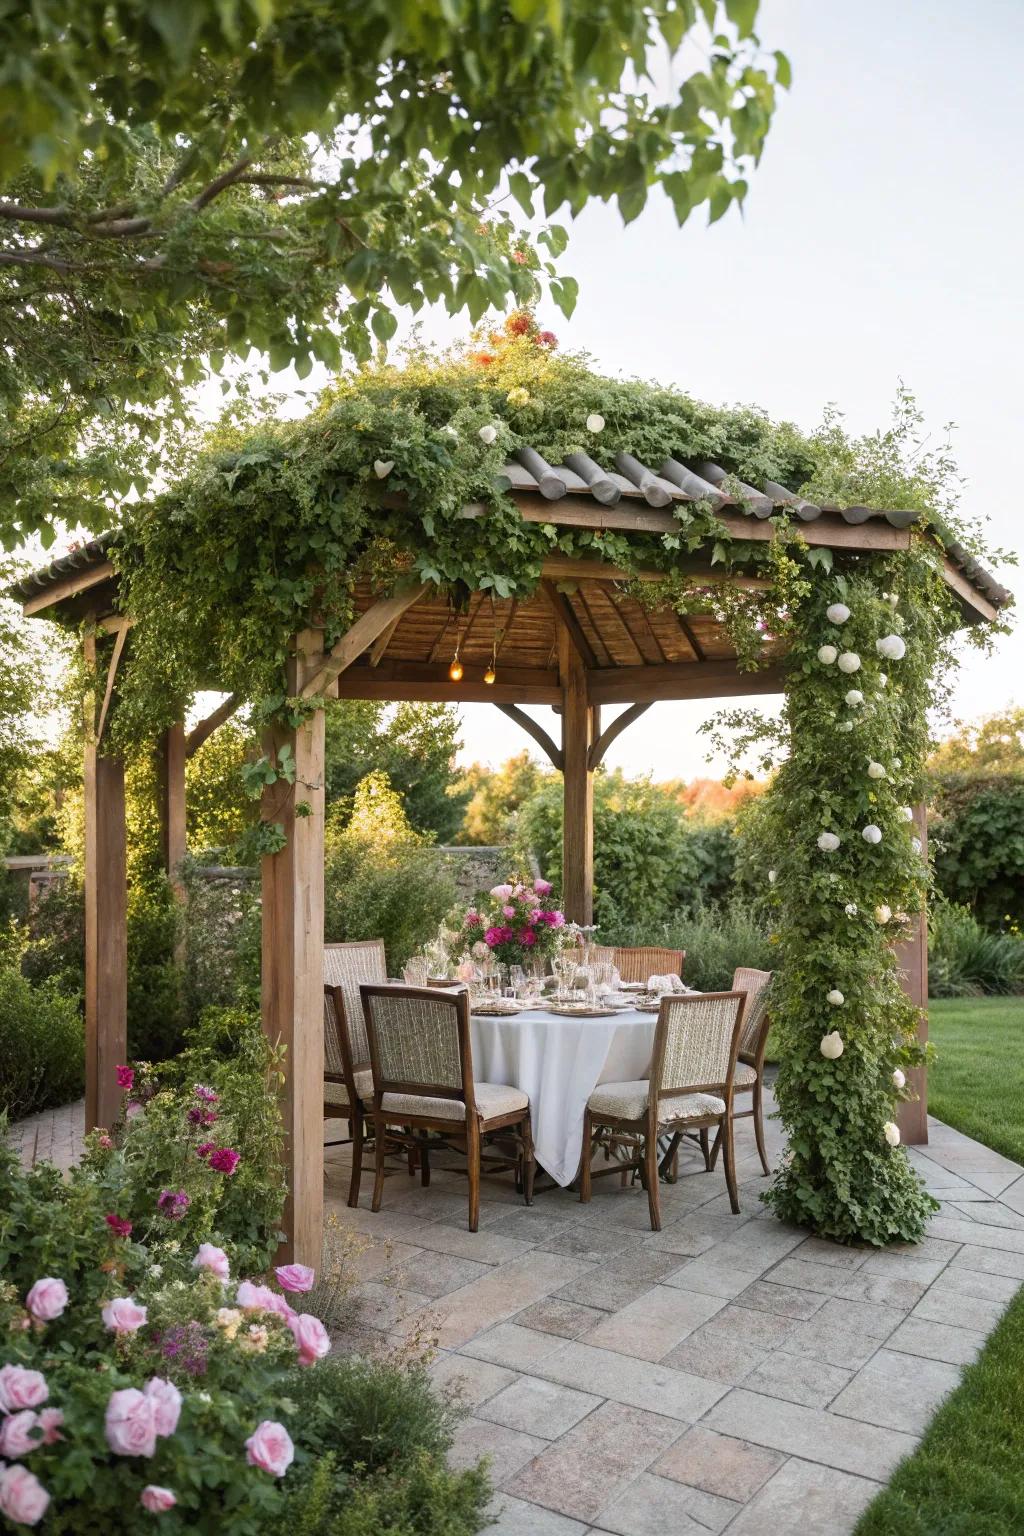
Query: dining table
point(558, 1060)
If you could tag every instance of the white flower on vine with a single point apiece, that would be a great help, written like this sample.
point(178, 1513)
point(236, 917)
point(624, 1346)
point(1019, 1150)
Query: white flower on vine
point(883, 914)
point(906, 812)
point(487, 434)
point(849, 662)
point(837, 613)
point(876, 771)
point(450, 431)
point(891, 1132)
point(595, 422)
point(883, 679)
point(831, 1046)
point(827, 654)
point(892, 647)
point(899, 1078)
point(844, 726)
point(854, 697)
point(916, 844)
point(773, 875)
point(871, 833)
point(892, 599)
point(828, 842)
point(383, 467)
point(836, 998)
point(850, 909)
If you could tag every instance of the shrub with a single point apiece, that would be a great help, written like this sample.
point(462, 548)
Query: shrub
point(977, 843)
point(966, 960)
point(221, 932)
point(716, 938)
point(42, 1048)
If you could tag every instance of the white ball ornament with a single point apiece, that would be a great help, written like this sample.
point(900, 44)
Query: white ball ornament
point(836, 998)
point(487, 434)
point(891, 647)
point(899, 1078)
point(850, 909)
point(883, 914)
point(883, 679)
point(854, 697)
point(828, 842)
point(831, 1046)
point(906, 812)
point(893, 599)
point(876, 771)
point(773, 875)
point(837, 613)
point(871, 834)
point(383, 467)
point(891, 1133)
point(595, 422)
point(827, 654)
point(849, 662)
point(916, 844)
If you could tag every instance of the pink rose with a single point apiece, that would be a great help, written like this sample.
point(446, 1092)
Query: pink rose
point(124, 1315)
point(214, 1259)
point(260, 1298)
point(501, 892)
point(157, 1500)
point(508, 911)
point(270, 1448)
point(20, 1433)
point(119, 1225)
point(50, 1421)
point(131, 1423)
point(295, 1277)
point(527, 937)
point(20, 1388)
point(125, 1077)
point(311, 1338)
point(23, 1499)
point(166, 1400)
point(47, 1299)
point(542, 887)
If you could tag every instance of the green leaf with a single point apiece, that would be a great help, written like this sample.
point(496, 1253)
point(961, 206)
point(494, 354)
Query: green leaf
point(384, 324)
point(565, 291)
point(521, 187)
point(783, 70)
point(742, 14)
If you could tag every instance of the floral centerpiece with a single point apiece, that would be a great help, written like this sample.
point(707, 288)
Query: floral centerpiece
point(515, 925)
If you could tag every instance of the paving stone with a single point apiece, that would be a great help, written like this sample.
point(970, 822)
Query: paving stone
point(507, 1344)
point(470, 1382)
point(960, 1230)
point(714, 1276)
point(784, 1300)
point(805, 1499)
point(927, 1248)
point(798, 1379)
point(719, 1464)
point(897, 1391)
point(553, 1314)
point(530, 1225)
point(903, 1266)
point(890, 1290)
point(989, 1213)
point(937, 1341)
point(604, 1290)
point(593, 1243)
point(439, 1275)
point(650, 1327)
point(680, 1239)
point(507, 1449)
point(539, 1407)
point(583, 1471)
point(958, 1310)
point(975, 1283)
point(515, 1517)
point(989, 1261)
point(381, 1305)
point(484, 1247)
point(811, 1433)
point(804, 1276)
point(818, 1250)
point(637, 1383)
point(654, 1506)
point(645, 1263)
point(714, 1356)
point(495, 1296)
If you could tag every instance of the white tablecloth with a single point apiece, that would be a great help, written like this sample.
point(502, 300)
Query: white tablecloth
point(559, 1062)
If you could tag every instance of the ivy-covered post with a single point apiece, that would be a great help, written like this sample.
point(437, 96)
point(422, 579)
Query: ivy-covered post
point(106, 918)
point(912, 958)
point(292, 811)
point(170, 765)
point(578, 724)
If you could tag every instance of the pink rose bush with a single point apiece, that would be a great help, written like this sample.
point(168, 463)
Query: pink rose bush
point(295, 1277)
point(124, 1315)
point(517, 924)
point(47, 1299)
point(270, 1448)
point(23, 1499)
point(311, 1338)
point(214, 1260)
point(157, 1500)
point(21, 1388)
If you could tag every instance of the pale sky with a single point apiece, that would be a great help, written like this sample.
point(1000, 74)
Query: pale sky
point(881, 240)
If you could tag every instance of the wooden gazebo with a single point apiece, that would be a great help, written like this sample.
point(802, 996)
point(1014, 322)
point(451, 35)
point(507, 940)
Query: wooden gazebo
point(578, 644)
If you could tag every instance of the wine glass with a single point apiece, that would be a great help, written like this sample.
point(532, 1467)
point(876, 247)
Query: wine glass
point(414, 973)
point(517, 980)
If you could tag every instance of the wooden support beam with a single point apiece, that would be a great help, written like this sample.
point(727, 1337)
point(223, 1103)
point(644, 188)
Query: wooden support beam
point(172, 753)
point(577, 786)
point(536, 730)
point(681, 680)
point(410, 680)
point(612, 731)
point(912, 956)
point(293, 957)
point(205, 729)
point(382, 642)
point(70, 586)
point(564, 613)
point(972, 599)
point(108, 693)
point(106, 923)
point(363, 633)
point(566, 568)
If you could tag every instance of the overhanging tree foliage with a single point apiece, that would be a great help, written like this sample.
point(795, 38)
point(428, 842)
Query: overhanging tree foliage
point(179, 183)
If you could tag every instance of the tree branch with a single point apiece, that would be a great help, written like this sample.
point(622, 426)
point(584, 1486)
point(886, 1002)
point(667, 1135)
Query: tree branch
point(221, 183)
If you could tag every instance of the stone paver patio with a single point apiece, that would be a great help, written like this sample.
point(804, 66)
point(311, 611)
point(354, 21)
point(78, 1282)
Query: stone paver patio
point(727, 1373)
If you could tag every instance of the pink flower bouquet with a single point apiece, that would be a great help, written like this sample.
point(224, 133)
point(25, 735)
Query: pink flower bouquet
point(516, 924)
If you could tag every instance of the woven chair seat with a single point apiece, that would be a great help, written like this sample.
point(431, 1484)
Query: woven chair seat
point(744, 1076)
point(337, 1093)
point(492, 1099)
point(628, 1101)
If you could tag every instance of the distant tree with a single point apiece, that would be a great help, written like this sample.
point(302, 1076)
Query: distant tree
point(976, 833)
point(710, 799)
point(414, 744)
point(993, 744)
point(182, 182)
point(217, 806)
point(496, 796)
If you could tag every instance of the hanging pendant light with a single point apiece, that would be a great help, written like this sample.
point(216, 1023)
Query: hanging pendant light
point(455, 670)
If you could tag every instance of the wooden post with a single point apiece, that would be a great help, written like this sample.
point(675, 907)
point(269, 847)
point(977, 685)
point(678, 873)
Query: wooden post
point(293, 958)
point(578, 726)
point(171, 769)
point(106, 924)
point(912, 955)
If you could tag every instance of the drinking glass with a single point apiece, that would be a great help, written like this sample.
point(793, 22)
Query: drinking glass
point(517, 980)
point(414, 973)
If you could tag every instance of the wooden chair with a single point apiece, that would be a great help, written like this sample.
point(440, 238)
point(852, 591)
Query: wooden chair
point(642, 963)
point(348, 1082)
point(749, 1074)
point(422, 1063)
point(690, 1088)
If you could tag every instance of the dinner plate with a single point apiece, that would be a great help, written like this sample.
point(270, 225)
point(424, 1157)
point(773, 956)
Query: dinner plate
point(567, 1011)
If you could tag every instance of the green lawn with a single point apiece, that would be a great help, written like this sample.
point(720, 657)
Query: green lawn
point(967, 1476)
point(977, 1081)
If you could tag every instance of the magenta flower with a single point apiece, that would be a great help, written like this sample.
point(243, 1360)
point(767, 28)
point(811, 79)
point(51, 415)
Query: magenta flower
point(205, 1148)
point(508, 911)
point(206, 1094)
point(201, 1116)
point(118, 1225)
point(173, 1203)
point(187, 1345)
point(125, 1077)
point(542, 887)
point(225, 1160)
point(473, 919)
point(527, 937)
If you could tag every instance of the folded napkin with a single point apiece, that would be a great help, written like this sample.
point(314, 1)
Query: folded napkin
point(663, 984)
